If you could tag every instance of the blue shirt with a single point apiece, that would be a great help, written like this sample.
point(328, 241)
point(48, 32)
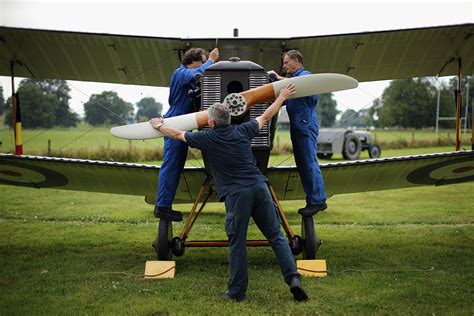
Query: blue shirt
point(182, 80)
point(230, 155)
point(302, 111)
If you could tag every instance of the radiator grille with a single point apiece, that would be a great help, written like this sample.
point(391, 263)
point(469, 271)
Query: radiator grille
point(211, 93)
point(210, 90)
point(263, 138)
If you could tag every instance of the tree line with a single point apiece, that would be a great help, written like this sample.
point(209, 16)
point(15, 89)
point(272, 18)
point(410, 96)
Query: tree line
point(44, 103)
point(412, 103)
point(408, 103)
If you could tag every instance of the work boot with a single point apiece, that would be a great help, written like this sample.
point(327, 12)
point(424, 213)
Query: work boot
point(226, 295)
point(167, 213)
point(297, 289)
point(311, 209)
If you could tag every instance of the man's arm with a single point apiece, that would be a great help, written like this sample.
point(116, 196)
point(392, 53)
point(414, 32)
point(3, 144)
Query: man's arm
point(276, 105)
point(171, 132)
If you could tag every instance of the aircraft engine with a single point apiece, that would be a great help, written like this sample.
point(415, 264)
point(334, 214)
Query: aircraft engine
point(222, 82)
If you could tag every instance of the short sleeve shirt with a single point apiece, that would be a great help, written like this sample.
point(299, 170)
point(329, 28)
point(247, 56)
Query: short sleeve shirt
point(230, 155)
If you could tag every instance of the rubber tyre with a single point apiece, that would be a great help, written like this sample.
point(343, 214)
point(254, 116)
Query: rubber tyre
point(311, 241)
point(352, 147)
point(324, 155)
point(162, 243)
point(374, 151)
point(296, 245)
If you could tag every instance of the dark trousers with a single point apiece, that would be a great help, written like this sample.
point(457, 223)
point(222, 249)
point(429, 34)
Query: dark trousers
point(253, 201)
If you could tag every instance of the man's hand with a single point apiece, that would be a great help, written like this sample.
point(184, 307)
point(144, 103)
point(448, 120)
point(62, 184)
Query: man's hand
point(166, 130)
point(156, 121)
point(214, 55)
point(276, 74)
point(287, 91)
point(273, 109)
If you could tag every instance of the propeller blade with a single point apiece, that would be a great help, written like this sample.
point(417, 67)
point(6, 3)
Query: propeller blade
point(305, 86)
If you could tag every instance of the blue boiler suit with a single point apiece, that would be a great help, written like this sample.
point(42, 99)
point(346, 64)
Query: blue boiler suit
point(304, 131)
point(175, 151)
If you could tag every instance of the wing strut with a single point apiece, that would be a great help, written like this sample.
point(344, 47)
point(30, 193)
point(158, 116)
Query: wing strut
point(16, 114)
point(458, 107)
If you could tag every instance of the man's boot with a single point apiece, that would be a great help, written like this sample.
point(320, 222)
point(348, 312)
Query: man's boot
point(167, 213)
point(310, 209)
point(297, 289)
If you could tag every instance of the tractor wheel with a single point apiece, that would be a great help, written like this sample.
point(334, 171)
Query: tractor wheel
point(374, 151)
point(324, 155)
point(352, 147)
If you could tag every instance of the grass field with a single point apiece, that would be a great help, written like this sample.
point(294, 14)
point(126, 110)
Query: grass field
point(86, 140)
point(406, 251)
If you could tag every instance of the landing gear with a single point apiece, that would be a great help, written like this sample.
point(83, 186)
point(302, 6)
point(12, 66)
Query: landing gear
point(162, 243)
point(311, 241)
point(167, 246)
point(296, 245)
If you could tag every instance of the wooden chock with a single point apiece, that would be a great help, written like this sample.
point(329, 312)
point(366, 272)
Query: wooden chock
point(160, 269)
point(312, 268)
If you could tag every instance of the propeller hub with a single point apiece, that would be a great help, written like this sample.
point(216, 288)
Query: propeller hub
point(236, 103)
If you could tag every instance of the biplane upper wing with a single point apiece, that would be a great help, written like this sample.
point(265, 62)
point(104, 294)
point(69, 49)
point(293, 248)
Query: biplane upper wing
point(136, 179)
point(141, 60)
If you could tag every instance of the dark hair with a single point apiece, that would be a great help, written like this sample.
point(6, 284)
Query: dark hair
point(193, 54)
point(294, 54)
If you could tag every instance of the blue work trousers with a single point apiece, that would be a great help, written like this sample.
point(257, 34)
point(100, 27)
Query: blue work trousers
point(304, 149)
point(253, 201)
point(175, 153)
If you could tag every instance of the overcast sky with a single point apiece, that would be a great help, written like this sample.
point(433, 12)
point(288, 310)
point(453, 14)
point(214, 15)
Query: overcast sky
point(218, 19)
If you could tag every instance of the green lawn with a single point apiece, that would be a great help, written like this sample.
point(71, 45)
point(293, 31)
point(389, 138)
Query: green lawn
point(406, 251)
point(90, 142)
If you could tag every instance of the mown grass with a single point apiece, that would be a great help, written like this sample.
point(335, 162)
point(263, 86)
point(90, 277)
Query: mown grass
point(89, 142)
point(406, 251)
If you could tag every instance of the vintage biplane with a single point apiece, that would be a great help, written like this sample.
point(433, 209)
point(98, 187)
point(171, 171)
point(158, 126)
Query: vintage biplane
point(368, 56)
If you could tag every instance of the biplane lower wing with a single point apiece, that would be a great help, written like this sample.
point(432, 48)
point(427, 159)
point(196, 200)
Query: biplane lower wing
point(138, 179)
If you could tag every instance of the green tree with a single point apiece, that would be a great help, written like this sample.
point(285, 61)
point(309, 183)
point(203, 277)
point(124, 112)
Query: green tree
point(2, 101)
point(63, 116)
point(147, 109)
point(351, 118)
point(448, 104)
point(408, 103)
point(107, 108)
point(38, 108)
point(374, 113)
point(326, 110)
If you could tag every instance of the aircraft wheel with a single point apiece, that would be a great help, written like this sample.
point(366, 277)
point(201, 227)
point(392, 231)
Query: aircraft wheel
point(352, 147)
point(296, 245)
point(311, 241)
point(374, 151)
point(177, 246)
point(162, 243)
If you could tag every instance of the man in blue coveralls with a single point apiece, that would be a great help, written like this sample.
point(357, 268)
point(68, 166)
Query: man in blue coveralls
point(195, 61)
point(244, 189)
point(304, 132)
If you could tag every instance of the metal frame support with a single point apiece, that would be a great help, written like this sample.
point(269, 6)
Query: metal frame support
point(16, 113)
point(458, 107)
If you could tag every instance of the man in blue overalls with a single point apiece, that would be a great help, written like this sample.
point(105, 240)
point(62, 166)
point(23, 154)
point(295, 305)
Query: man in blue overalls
point(244, 189)
point(304, 132)
point(195, 61)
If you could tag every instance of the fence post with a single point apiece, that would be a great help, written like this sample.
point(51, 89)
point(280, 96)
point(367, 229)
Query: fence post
point(49, 147)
